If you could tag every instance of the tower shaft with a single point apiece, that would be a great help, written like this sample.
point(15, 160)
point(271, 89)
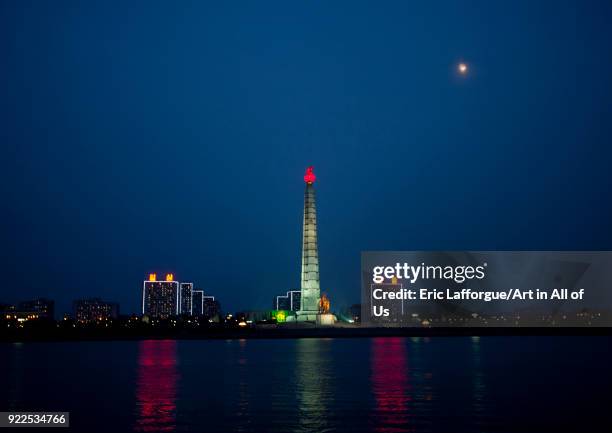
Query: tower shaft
point(310, 289)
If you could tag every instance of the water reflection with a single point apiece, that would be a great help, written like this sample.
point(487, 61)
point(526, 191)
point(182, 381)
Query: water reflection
point(15, 388)
point(479, 409)
point(425, 397)
point(156, 386)
point(314, 396)
point(242, 412)
point(279, 386)
point(390, 385)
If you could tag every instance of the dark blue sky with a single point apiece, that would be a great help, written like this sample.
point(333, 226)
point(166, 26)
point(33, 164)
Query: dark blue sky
point(173, 136)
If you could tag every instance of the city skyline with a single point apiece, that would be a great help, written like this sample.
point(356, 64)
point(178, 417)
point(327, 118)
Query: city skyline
point(183, 157)
point(167, 297)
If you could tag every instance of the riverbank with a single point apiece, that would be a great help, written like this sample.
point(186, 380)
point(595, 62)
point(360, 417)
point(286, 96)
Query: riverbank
point(280, 332)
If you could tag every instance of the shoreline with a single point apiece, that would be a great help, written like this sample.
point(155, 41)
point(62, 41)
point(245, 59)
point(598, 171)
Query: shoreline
point(57, 335)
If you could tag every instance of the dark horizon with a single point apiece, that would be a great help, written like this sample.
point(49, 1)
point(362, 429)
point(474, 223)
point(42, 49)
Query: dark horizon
point(161, 137)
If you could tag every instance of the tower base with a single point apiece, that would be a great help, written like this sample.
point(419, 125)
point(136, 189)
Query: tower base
point(326, 319)
point(307, 316)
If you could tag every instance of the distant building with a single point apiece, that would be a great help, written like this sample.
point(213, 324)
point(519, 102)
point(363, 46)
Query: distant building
point(197, 302)
point(204, 306)
point(186, 298)
point(94, 309)
point(28, 311)
point(211, 308)
point(281, 302)
point(6, 307)
point(41, 307)
point(160, 299)
point(290, 301)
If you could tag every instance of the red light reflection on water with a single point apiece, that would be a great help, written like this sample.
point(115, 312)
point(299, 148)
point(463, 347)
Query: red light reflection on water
point(156, 386)
point(390, 385)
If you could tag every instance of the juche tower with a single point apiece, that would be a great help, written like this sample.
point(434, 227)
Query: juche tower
point(310, 288)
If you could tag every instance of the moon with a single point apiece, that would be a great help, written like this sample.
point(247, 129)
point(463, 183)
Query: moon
point(462, 68)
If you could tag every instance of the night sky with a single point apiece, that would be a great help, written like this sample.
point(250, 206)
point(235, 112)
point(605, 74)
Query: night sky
point(173, 136)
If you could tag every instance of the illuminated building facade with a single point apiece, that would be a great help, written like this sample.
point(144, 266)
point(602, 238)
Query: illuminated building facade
point(41, 307)
point(28, 311)
point(281, 302)
point(95, 309)
point(290, 301)
point(310, 288)
point(186, 298)
point(160, 299)
point(204, 306)
point(197, 302)
point(211, 307)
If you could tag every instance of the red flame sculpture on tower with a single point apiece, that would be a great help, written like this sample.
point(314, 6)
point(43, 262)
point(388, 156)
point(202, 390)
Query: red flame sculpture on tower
point(309, 177)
